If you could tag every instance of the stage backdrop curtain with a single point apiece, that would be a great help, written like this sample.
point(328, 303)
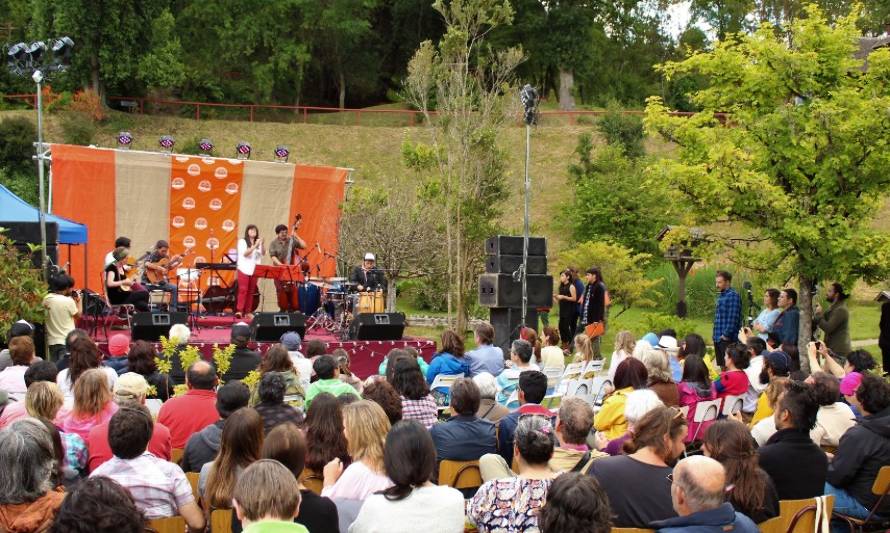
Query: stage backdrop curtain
point(318, 194)
point(142, 198)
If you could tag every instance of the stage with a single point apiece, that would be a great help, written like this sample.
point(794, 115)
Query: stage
point(365, 356)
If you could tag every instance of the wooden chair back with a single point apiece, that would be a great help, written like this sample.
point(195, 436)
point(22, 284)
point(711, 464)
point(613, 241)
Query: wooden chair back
point(312, 480)
point(193, 478)
point(176, 455)
point(799, 516)
point(460, 474)
point(221, 521)
point(175, 524)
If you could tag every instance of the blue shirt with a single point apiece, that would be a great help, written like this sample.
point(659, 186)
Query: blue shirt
point(464, 438)
point(507, 427)
point(787, 325)
point(723, 519)
point(445, 363)
point(485, 358)
point(767, 318)
point(728, 315)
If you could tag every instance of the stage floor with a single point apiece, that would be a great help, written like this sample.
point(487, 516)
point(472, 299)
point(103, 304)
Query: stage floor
point(365, 356)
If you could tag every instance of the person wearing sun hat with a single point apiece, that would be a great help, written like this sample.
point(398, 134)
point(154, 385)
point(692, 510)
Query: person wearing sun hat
point(367, 275)
point(670, 347)
point(118, 347)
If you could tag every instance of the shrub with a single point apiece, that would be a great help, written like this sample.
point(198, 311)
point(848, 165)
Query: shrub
point(623, 130)
point(21, 287)
point(90, 104)
point(78, 128)
point(16, 137)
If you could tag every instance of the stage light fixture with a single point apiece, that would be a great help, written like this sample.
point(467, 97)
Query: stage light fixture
point(62, 53)
point(36, 53)
point(167, 142)
point(242, 151)
point(281, 153)
point(206, 146)
point(124, 140)
point(15, 58)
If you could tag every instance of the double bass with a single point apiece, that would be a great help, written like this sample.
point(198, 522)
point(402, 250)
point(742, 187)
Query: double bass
point(288, 290)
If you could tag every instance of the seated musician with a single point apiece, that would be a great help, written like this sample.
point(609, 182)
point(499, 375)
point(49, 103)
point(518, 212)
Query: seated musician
point(368, 276)
point(121, 289)
point(119, 242)
point(281, 250)
point(157, 268)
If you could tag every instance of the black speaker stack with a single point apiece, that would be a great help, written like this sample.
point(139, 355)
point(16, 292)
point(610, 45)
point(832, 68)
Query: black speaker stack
point(150, 325)
point(500, 288)
point(377, 327)
point(24, 233)
point(269, 327)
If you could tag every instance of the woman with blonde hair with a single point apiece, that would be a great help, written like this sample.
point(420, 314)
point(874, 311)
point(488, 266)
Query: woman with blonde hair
point(624, 348)
point(583, 349)
point(240, 445)
point(93, 404)
point(365, 425)
point(43, 401)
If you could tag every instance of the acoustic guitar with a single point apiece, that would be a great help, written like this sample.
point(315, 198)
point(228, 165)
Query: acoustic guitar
point(133, 269)
point(154, 277)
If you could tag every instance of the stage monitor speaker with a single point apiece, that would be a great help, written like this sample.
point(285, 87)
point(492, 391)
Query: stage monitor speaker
point(500, 290)
point(509, 245)
point(150, 325)
point(377, 327)
point(269, 327)
point(506, 322)
point(508, 264)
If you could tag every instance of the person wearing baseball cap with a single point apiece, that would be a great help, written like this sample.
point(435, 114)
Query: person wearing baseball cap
point(118, 347)
point(367, 276)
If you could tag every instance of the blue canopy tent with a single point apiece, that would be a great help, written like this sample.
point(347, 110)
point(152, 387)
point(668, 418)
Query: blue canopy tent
point(14, 209)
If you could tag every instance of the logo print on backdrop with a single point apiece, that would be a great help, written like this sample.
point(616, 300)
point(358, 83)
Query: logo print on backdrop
point(228, 225)
point(178, 222)
point(188, 241)
point(178, 184)
point(232, 188)
point(194, 170)
point(200, 259)
point(221, 173)
point(201, 223)
point(213, 243)
point(216, 204)
point(188, 202)
point(204, 186)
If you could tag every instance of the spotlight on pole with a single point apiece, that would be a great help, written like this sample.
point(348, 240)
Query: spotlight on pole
point(62, 53)
point(529, 98)
point(167, 142)
point(206, 147)
point(281, 153)
point(15, 59)
point(124, 140)
point(242, 151)
point(36, 53)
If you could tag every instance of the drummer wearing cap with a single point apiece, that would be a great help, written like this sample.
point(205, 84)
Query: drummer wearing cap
point(367, 276)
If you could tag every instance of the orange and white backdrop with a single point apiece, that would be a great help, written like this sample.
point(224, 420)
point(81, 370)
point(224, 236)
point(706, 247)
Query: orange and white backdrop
point(190, 201)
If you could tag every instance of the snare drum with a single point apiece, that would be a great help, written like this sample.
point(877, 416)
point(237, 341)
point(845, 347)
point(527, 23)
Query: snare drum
point(370, 302)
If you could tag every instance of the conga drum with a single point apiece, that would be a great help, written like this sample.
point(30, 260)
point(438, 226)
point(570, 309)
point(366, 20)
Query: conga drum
point(370, 302)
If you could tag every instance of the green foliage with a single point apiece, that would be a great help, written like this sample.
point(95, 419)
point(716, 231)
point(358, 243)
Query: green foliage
point(78, 128)
point(21, 287)
point(700, 292)
point(622, 272)
point(623, 130)
point(424, 295)
point(16, 137)
point(657, 322)
point(162, 66)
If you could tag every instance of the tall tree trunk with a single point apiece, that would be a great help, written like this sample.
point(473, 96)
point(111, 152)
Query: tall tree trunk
point(566, 85)
point(95, 82)
point(342, 90)
point(805, 332)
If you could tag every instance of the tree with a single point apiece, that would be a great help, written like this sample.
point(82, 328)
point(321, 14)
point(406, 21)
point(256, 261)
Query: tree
point(473, 89)
point(162, 67)
point(800, 162)
point(724, 16)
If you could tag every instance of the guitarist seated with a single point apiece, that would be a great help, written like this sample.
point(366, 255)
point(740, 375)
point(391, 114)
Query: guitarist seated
point(120, 288)
point(157, 267)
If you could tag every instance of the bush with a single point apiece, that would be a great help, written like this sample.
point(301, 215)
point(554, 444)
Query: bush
point(21, 287)
point(623, 130)
point(90, 104)
point(78, 128)
point(16, 137)
point(423, 295)
point(658, 322)
point(22, 184)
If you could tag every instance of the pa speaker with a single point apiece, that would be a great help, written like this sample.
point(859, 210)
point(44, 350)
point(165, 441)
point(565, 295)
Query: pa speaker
point(500, 290)
point(508, 264)
point(506, 324)
point(29, 232)
point(149, 326)
point(507, 245)
point(270, 327)
point(377, 327)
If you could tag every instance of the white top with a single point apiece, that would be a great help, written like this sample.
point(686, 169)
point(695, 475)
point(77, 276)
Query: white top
point(68, 387)
point(617, 357)
point(755, 388)
point(763, 430)
point(12, 380)
point(357, 482)
point(832, 421)
point(304, 368)
point(552, 357)
point(60, 311)
point(439, 509)
point(109, 258)
point(246, 265)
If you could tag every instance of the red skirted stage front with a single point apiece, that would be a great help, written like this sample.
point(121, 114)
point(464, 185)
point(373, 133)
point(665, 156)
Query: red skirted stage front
point(365, 356)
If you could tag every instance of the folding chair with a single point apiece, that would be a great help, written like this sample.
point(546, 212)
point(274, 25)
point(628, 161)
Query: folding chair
point(174, 524)
point(799, 516)
point(704, 412)
point(443, 381)
point(193, 478)
point(732, 405)
point(880, 488)
point(116, 310)
point(552, 401)
point(221, 521)
point(176, 455)
point(460, 474)
point(554, 376)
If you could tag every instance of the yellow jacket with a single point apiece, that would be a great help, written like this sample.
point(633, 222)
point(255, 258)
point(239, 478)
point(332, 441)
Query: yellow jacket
point(610, 419)
point(763, 410)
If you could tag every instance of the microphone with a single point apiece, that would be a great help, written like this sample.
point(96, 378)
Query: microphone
point(747, 286)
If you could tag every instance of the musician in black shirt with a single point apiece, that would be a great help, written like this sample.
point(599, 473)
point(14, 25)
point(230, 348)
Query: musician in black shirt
point(368, 276)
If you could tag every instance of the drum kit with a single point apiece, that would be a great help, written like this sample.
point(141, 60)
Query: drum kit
point(340, 301)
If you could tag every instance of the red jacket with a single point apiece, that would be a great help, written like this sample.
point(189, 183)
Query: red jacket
point(100, 449)
point(188, 414)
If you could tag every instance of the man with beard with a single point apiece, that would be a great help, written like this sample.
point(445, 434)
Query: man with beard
point(835, 322)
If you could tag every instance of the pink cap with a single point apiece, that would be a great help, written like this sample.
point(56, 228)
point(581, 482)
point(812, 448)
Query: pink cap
point(118, 345)
point(850, 383)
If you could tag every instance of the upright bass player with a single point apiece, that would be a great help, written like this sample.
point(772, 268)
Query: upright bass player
point(282, 251)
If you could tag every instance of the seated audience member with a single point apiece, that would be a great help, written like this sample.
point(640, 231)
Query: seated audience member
point(734, 381)
point(278, 361)
point(39, 371)
point(266, 499)
point(12, 378)
point(315, 348)
point(83, 356)
point(552, 356)
point(449, 361)
point(464, 436)
point(293, 344)
point(511, 503)
point(62, 363)
point(99, 505)
point(697, 492)
point(695, 387)
point(287, 445)
point(756, 352)
point(244, 360)
point(639, 402)
point(848, 386)
point(346, 376)
point(669, 348)
point(159, 488)
point(28, 498)
point(203, 446)
point(753, 493)
point(532, 389)
point(804, 476)
point(486, 357)
point(325, 440)
point(383, 369)
point(93, 405)
point(196, 409)
point(22, 328)
point(637, 484)
point(775, 365)
point(130, 389)
point(521, 356)
point(821, 358)
point(766, 428)
point(365, 426)
point(239, 446)
point(328, 373)
point(43, 402)
point(141, 360)
point(414, 393)
point(624, 348)
point(659, 377)
point(573, 425)
point(575, 502)
point(118, 347)
point(834, 417)
point(489, 408)
point(384, 395)
point(583, 349)
point(410, 460)
point(179, 336)
point(630, 375)
point(272, 407)
point(863, 450)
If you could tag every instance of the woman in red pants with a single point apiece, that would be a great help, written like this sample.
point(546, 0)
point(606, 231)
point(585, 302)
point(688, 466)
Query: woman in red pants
point(250, 253)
